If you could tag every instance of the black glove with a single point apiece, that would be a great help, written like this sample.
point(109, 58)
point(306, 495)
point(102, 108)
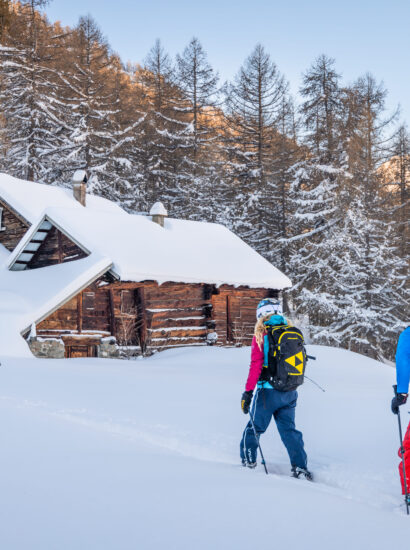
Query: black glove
point(398, 399)
point(246, 401)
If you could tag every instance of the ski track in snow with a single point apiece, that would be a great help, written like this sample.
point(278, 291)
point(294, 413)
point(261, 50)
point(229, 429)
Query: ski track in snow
point(338, 479)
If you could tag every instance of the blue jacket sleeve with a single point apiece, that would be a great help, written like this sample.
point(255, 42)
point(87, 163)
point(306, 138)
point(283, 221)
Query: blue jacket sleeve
point(403, 361)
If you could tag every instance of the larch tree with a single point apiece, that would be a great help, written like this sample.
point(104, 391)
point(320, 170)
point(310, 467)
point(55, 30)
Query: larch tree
point(370, 286)
point(398, 182)
point(315, 192)
point(254, 104)
point(167, 132)
point(91, 103)
point(5, 14)
point(198, 82)
point(33, 129)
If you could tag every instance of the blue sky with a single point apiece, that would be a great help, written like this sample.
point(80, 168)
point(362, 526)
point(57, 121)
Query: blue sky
point(362, 35)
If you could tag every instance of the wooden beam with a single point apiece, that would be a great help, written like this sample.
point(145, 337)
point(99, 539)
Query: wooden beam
point(60, 247)
point(19, 216)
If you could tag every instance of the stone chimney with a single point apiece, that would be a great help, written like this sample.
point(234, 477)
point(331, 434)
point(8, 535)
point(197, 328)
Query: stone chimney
point(80, 186)
point(158, 213)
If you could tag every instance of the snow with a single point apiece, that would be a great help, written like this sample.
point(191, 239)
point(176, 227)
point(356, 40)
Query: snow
point(80, 176)
point(144, 454)
point(30, 199)
point(158, 209)
point(181, 251)
point(27, 296)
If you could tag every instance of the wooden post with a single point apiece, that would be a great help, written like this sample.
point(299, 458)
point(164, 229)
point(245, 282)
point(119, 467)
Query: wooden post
point(80, 312)
point(142, 318)
point(228, 321)
point(112, 313)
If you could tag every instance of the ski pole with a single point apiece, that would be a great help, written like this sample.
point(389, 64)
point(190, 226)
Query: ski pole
point(310, 380)
point(315, 383)
point(406, 493)
point(257, 439)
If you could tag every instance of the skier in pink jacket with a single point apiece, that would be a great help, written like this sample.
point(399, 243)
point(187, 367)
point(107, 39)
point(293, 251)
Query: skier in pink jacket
point(268, 401)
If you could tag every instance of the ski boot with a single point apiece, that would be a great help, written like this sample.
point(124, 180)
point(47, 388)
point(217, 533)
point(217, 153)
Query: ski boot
point(298, 472)
point(247, 464)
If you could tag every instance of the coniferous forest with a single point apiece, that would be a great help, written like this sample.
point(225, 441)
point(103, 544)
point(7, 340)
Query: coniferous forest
point(319, 189)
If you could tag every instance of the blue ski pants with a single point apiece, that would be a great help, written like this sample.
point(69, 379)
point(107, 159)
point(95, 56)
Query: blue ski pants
point(281, 406)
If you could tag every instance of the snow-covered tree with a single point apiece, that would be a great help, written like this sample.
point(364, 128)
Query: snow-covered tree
point(91, 102)
point(167, 132)
point(381, 302)
point(315, 194)
point(34, 127)
point(198, 82)
point(397, 180)
point(253, 105)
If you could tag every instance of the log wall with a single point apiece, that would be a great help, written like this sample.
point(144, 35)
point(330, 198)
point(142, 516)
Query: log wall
point(234, 313)
point(152, 316)
point(57, 248)
point(14, 227)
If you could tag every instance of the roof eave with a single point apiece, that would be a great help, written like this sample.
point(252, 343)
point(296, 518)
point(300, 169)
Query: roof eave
point(69, 297)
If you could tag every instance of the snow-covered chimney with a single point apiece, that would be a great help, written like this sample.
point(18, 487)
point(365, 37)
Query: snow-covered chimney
point(80, 186)
point(158, 213)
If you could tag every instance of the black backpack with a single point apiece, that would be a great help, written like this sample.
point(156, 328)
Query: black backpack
point(286, 358)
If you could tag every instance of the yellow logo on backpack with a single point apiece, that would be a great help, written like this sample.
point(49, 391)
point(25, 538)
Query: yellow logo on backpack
point(296, 361)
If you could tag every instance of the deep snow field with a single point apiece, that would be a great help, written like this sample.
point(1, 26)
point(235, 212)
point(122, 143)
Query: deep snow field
point(106, 454)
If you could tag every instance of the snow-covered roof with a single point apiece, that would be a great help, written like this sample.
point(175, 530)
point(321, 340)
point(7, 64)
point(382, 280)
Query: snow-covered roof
point(181, 251)
point(29, 296)
point(31, 199)
point(139, 249)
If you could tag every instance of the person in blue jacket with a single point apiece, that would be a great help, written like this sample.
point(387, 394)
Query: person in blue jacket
point(402, 370)
point(403, 380)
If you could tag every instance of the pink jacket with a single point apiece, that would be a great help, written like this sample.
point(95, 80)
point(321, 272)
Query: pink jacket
point(256, 366)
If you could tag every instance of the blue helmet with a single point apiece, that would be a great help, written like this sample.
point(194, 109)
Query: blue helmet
point(268, 306)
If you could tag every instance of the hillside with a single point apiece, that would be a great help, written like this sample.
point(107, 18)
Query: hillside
point(144, 454)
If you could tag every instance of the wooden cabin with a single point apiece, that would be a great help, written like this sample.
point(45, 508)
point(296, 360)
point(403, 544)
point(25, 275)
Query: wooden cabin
point(112, 280)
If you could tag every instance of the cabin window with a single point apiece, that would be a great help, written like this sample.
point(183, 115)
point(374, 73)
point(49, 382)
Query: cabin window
point(89, 300)
point(1, 220)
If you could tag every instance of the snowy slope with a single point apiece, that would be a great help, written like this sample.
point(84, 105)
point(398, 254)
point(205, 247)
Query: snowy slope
point(144, 454)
